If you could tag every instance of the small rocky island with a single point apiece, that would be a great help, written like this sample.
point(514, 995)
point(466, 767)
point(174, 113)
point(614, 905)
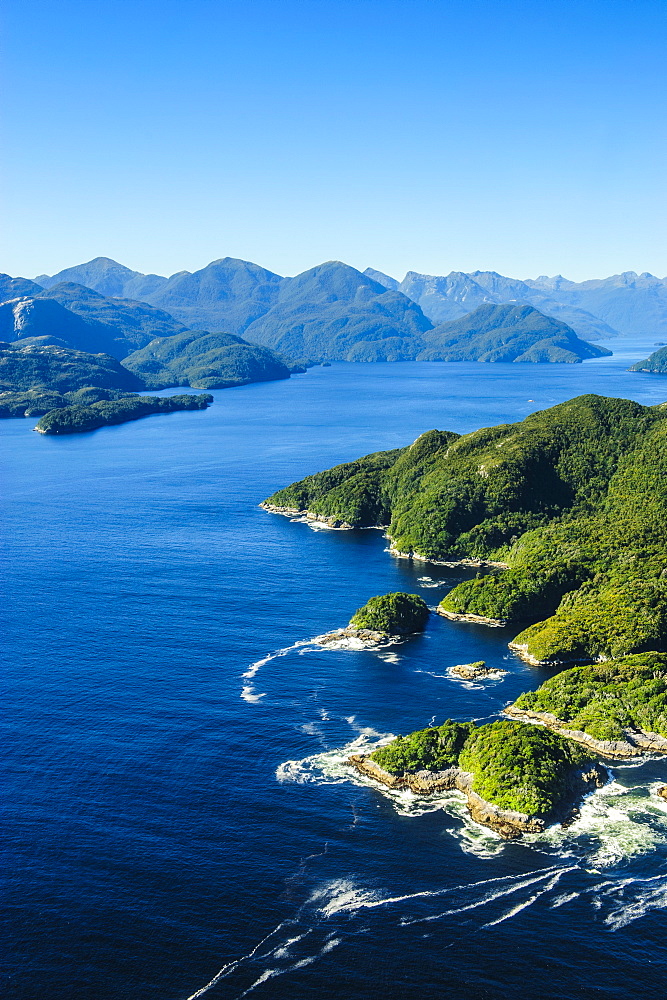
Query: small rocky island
point(517, 778)
point(78, 419)
point(382, 619)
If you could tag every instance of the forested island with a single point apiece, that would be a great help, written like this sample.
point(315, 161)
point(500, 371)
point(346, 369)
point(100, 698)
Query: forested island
point(564, 513)
point(382, 618)
point(78, 419)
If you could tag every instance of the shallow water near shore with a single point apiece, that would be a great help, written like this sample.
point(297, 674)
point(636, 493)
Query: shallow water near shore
point(180, 821)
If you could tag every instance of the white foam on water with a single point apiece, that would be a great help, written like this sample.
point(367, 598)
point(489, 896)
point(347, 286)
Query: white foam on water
point(525, 904)
point(616, 823)
point(230, 967)
point(566, 897)
point(249, 694)
point(428, 581)
point(331, 767)
point(389, 657)
point(635, 900)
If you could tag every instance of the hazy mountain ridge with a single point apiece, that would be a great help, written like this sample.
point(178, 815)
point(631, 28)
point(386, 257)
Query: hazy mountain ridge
point(509, 333)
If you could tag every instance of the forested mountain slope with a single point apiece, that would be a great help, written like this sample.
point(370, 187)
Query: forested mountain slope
point(573, 500)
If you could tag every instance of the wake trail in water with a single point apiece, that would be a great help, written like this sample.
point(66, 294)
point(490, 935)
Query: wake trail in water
point(248, 692)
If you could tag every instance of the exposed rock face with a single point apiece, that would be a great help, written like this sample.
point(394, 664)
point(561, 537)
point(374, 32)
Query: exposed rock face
point(636, 742)
point(353, 638)
point(476, 671)
point(662, 792)
point(508, 824)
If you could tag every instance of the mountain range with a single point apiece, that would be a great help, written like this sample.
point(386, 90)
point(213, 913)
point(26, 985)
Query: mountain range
point(230, 294)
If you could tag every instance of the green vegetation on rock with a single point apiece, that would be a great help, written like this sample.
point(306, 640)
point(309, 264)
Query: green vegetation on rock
point(603, 699)
point(77, 419)
point(432, 749)
point(573, 499)
point(396, 614)
point(521, 767)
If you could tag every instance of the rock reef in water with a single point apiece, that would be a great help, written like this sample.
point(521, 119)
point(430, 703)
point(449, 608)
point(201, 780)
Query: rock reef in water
point(476, 671)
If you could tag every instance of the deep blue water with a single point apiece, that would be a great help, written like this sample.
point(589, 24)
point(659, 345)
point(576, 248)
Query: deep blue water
point(169, 820)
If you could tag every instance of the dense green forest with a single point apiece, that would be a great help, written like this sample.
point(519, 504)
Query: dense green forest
point(603, 699)
point(572, 499)
point(432, 749)
point(515, 766)
point(396, 614)
point(77, 419)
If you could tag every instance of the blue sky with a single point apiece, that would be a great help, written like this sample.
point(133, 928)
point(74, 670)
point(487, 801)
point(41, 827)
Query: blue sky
point(523, 137)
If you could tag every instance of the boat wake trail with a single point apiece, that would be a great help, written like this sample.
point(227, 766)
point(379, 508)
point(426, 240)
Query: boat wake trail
point(248, 692)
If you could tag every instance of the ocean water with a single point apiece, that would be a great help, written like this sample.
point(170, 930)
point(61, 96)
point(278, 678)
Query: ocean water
point(179, 821)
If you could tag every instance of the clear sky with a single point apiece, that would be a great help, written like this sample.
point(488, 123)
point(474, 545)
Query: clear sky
point(523, 136)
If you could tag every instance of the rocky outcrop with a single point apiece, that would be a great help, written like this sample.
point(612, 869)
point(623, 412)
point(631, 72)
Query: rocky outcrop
point(354, 638)
point(474, 619)
point(476, 671)
point(635, 744)
point(662, 792)
point(506, 823)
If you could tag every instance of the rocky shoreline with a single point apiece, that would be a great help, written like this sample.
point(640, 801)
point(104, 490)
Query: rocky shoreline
point(506, 823)
point(307, 515)
point(354, 638)
point(637, 743)
point(449, 563)
point(522, 650)
point(473, 619)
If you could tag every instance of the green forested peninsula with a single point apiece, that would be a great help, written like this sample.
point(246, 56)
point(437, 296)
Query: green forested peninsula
point(60, 370)
point(36, 402)
point(656, 363)
point(512, 767)
point(573, 500)
point(77, 419)
point(606, 699)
